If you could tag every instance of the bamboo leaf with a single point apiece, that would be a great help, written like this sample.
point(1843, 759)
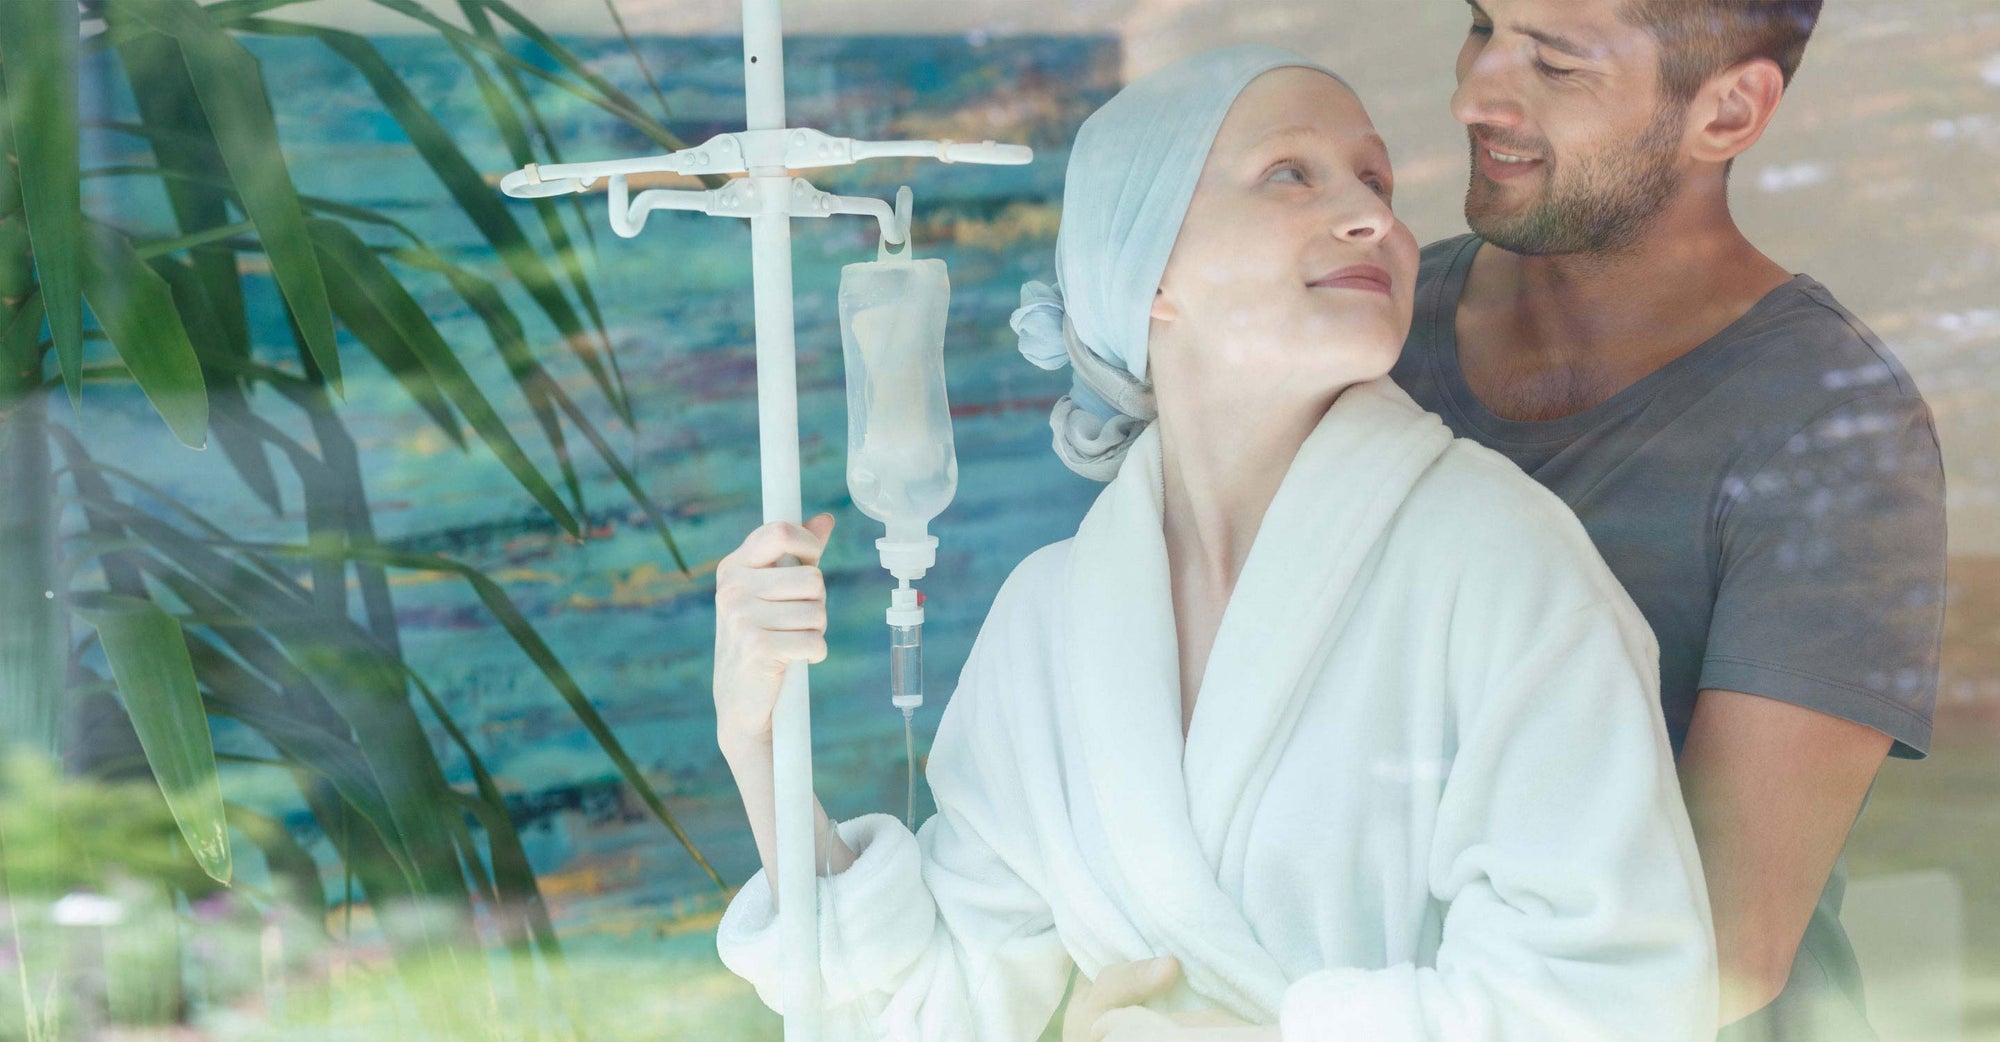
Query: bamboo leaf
point(38, 47)
point(257, 703)
point(491, 595)
point(18, 342)
point(530, 642)
point(235, 692)
point(608, 97)
point(475, 17)
point(505, 330)
point(151, 248)
point(229, 83)
point(346, 250)
point(632, 46)
point(521, 909)
point(228, 404)
point(551, 218)
point(486, 208)
point(384, 337)
point(335, 658)
point(194, 178)
point(541, 390)
point(230, 11)
point(545, 397)
point(136, 309)
point(540, 38)
point(287, 860)
point(149, 661)
point(301, 651)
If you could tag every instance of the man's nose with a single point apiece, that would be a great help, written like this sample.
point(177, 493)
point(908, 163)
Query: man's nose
point(1486, 93)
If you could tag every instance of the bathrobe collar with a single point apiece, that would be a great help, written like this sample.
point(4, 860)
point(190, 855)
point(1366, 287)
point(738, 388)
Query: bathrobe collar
point(1171, 809)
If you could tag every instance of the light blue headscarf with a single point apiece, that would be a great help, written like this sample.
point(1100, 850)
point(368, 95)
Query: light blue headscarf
point(1132, 172)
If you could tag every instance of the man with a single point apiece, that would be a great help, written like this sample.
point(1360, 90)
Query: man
point(1753, 463)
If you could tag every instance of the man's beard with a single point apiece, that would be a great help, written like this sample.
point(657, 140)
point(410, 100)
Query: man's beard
point(1602, 207)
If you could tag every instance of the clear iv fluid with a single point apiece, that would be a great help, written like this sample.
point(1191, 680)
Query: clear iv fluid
point(902, 469)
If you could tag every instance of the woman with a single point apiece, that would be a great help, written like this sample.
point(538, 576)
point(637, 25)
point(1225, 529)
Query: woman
point(1417, 786)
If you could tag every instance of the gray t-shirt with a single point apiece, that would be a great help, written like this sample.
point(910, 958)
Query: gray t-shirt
point(1773, 500)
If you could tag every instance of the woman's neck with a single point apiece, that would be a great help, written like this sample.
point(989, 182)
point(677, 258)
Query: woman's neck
point(1222, 463)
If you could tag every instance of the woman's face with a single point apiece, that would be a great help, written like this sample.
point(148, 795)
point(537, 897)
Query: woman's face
point(1290, 277)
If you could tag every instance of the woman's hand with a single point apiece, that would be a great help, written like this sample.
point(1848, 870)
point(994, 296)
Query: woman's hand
point(1108, 1009)
point(767, 616)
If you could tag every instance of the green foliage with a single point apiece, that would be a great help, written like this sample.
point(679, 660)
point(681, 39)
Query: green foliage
point(230, 88)
point(149, 662)
point(38, 56)
point(136, 309)
point(298, 641)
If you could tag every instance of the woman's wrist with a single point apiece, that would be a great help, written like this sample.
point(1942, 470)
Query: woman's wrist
point(741, 748)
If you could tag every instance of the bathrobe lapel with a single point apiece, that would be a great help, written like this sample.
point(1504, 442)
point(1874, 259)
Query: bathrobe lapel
point(1173, 814)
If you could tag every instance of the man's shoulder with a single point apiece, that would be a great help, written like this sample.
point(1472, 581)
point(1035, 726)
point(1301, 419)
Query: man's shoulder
point(1808, 346)
point(1802, 363)
point(1434, 260)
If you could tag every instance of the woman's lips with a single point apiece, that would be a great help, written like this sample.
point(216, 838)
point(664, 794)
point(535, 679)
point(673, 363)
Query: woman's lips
point(1359, 276)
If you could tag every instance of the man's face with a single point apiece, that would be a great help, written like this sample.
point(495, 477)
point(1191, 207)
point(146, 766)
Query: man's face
point(1573, 149)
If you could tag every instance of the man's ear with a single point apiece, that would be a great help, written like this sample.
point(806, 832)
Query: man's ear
point(1733, 109)
point(1163, 308)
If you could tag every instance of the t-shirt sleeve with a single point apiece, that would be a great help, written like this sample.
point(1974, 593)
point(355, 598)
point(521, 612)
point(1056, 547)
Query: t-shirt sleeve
point(1831, 580)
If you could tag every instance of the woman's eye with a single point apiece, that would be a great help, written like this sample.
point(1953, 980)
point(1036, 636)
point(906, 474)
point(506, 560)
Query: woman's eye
point(1289, 168)
point(1480, 30)
point(1551, 71)
point(1380, 186)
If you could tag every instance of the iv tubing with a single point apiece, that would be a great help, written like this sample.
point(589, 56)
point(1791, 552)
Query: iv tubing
point(910, 759)
point(906, 675)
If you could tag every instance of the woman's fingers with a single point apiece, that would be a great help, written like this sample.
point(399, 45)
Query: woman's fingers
point(1133, 1024)
point(1117, 985)
point(1130, 983)
point(767, 615)
point(781, 646)
point(821, 526)
point(799, 582)
point(1208, 1018)
point(788, 615)
point(771, 542)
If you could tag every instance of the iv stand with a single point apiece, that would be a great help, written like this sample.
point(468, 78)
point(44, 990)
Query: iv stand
point(767, 151)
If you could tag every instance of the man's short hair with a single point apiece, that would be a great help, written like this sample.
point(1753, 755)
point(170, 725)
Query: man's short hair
point(1699, 38)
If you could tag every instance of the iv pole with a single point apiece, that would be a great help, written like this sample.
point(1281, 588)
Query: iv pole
point(770, 197)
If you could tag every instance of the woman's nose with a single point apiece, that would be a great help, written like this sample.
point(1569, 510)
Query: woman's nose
point(1367, 221)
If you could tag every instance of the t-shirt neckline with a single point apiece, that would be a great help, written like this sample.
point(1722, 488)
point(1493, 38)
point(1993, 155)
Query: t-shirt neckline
point(1445, 367)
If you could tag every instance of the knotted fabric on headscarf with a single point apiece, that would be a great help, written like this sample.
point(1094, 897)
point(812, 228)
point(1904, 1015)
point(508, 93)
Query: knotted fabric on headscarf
point(1131, 175)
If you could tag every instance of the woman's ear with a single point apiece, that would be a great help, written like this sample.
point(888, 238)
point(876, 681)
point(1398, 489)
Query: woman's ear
point(1163, 308)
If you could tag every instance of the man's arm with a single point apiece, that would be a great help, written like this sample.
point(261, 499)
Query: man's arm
point(1772, 790)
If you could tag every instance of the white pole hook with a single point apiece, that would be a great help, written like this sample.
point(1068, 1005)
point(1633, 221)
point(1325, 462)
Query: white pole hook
point(896, 232)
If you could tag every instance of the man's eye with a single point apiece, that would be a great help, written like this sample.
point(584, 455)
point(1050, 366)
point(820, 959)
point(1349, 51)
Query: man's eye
point(1381, 187)
point(1551, 71)
point(1480, 30)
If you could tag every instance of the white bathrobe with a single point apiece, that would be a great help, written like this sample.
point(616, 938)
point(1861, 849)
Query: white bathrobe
point(1426, 791)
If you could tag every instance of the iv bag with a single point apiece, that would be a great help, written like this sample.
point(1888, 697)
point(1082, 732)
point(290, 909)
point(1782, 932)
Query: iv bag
point(901, 466)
